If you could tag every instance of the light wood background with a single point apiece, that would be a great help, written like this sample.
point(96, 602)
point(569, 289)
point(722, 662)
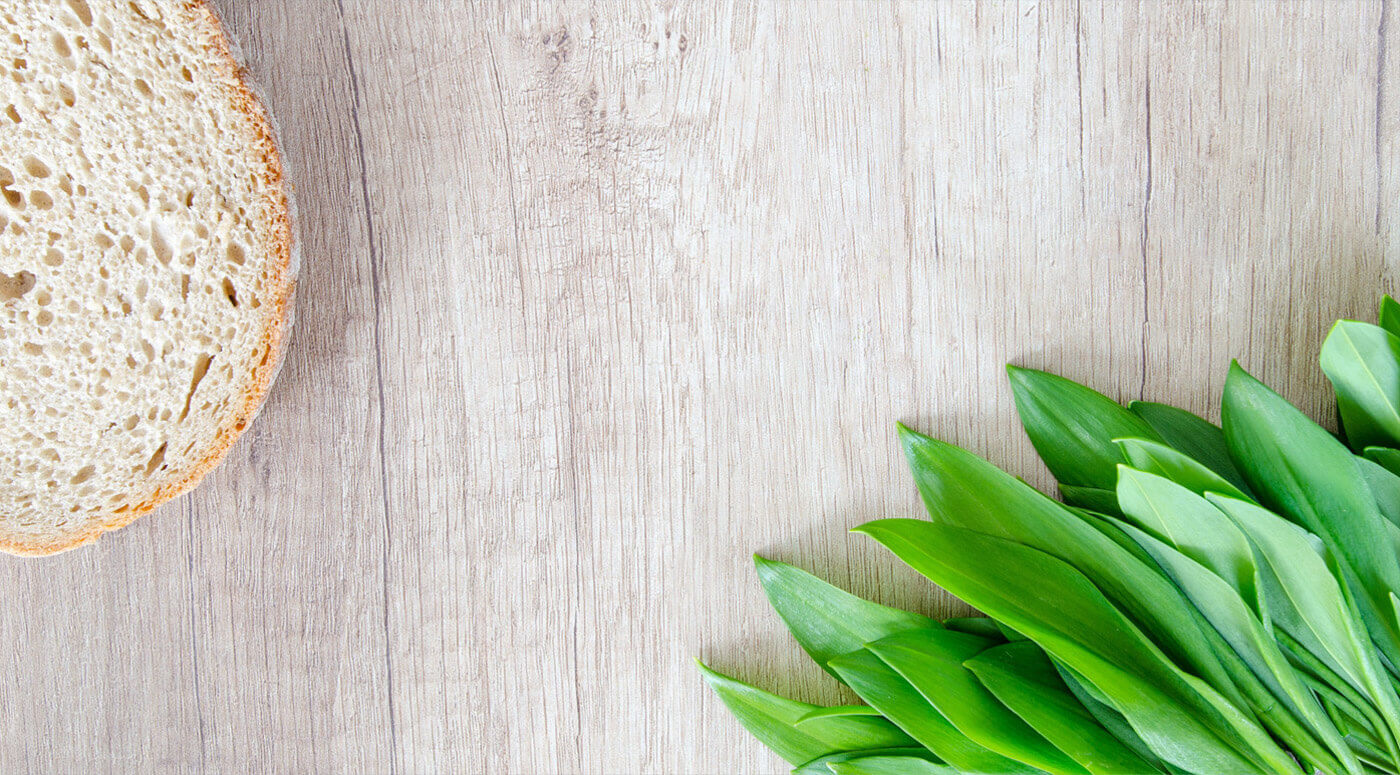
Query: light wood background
point(601, 297)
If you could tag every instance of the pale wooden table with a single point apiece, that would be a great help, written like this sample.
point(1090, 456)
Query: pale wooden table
point(599, 298)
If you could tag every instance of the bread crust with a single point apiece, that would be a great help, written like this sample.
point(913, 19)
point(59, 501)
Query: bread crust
point(282, 290)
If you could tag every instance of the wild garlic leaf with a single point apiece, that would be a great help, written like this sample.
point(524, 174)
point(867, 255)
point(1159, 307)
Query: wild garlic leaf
point(1389, 314)
point(1183, 719)
point(838, 710)
point(1337, 694)
point(1091, 498)
point(1303, 472)
point(962, 490)
point(1072, 427)
point(819, 766)
point(827, 621)
point(1308, 601)
point(1022, 678)
point(890, 765)
point(1193, 436)
point(1384, 486)
point(932, 662)
point(878, 684)
point(980, 626)
point(1373, 756)
point(1300, 721)
point(853, 730)
point(1108, 717)
point(1191, 525)
point(1312, 606)
point(1363, 363)
point(1011, 635)
point(1379, 468)
point(773, 720)
point(1352, 722)
point(1387, 458)
point(1154, 458)
point(1110, 527)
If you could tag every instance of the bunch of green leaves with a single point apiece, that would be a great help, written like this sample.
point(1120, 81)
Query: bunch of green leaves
point(1204, 599)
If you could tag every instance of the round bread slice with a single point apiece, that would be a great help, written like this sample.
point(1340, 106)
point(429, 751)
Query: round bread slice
point(146, 261)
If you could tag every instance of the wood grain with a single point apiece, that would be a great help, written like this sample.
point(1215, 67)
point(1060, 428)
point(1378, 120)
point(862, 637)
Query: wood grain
point(601, 297)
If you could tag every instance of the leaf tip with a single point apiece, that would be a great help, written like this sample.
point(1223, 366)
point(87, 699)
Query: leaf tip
point(1236, 381)
point(769, 572)
point(911, 439)
point(882, 529)
point(1388, 309)
point(871, 529)
point(1023, 378)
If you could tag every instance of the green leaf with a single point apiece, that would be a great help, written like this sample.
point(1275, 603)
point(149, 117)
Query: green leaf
point(838, 710)
point(825, 620)
point(1110, 528)
point(1182, 718)
point(1301, 722)
point(1384, 486)
point(878, 684)
point(932, 662)
point(980, 626)
point(1306, 598)
point(1153, 458)
point(1010, 634)
point(890, 765)
point(774, 721)
point(1218, 543)
point(1072, 427)
point(1379, 468)
point(1213, 562)
point(1390, 315)
point(1189, 523)
point(1388, 458)
point(1310, 605)
point(820, 766)
point(1337, 695)
point(1303, 472)
point(1108, 717)
point(1192, 436)
point(1092, 498)
point(965, 491)
point(1371, 755)
point(1363, 362)
point(1023, 679)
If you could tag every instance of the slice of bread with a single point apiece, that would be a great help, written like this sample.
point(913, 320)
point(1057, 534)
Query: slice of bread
point(146, 261)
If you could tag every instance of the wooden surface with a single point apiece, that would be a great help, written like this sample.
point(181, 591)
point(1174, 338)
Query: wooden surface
point(599, 298)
